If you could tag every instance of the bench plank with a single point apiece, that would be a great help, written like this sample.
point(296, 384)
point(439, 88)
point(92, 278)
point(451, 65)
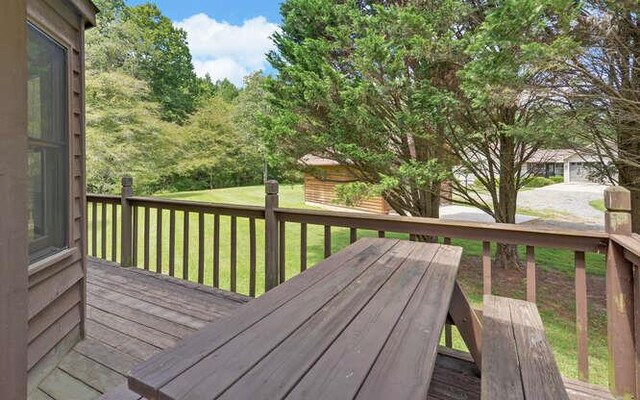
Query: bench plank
point(500, 372)
point(517, 359)
point(541, 378)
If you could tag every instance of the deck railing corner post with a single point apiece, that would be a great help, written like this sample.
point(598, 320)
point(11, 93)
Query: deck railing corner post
point(126, 223)
point(620, 296)
point(272, 200)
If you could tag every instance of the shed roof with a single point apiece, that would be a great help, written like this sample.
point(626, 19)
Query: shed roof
point(87, 9)
point(315, 161)
point(551, 156)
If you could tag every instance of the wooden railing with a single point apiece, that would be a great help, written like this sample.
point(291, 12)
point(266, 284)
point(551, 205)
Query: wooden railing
point(194, 239)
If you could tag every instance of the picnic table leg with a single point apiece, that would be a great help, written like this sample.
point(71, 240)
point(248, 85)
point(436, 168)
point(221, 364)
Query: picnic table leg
point(467, 322)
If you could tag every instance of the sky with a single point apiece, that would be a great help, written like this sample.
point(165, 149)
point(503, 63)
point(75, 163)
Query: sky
point(227, 38)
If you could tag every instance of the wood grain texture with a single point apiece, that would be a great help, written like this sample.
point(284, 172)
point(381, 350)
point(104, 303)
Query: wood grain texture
point(517, 359)
point(149, 377)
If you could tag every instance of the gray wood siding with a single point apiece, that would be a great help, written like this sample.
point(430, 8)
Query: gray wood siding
point(56, 303)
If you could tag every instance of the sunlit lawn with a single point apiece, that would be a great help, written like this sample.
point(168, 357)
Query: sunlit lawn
point(560, 329)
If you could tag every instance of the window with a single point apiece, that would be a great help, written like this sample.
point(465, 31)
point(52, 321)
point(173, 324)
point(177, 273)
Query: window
point(48, 145)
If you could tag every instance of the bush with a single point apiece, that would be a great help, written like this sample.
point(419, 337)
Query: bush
point(538, 181)
point(557, 179)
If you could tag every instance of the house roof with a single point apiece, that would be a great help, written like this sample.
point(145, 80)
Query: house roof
point(315, 161)
point(87, 9)
point(549, 156)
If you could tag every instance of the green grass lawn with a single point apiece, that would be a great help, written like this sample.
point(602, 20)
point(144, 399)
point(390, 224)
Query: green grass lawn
point(598, 204)
point(560, 327)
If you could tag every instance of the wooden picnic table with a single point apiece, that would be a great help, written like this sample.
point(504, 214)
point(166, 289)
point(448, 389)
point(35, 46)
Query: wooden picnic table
point(365, 323)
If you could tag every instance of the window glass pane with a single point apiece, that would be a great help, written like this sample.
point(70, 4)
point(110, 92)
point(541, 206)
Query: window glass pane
point(48, 144)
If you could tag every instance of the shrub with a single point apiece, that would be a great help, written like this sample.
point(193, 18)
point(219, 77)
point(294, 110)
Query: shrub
point(557, 179)
point(538, 181)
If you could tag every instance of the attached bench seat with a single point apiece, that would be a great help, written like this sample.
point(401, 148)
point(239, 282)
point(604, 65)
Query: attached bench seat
point(517, 362)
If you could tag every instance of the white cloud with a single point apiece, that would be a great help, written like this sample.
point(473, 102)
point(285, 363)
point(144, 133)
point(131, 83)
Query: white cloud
point(228, 51)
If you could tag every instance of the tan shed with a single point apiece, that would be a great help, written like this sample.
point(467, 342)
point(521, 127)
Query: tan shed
point(320, 186)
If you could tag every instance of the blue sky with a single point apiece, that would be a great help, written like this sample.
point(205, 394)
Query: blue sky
point(227, 38)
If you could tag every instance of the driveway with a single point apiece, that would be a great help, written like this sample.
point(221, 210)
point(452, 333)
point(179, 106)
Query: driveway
point(569, 200)
point(564, 206)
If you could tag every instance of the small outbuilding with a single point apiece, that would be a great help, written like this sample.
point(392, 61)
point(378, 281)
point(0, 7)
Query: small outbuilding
point(321, 185)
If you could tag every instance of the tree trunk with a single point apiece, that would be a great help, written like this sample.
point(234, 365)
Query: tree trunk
point(505, 209)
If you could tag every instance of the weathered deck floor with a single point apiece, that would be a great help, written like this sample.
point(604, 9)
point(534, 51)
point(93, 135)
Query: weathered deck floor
point(133, 314)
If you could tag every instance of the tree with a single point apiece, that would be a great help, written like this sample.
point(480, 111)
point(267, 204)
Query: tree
point(144, 43)
point(354, 85)
point(125, 134)
point(498, 118)
point(601, 88)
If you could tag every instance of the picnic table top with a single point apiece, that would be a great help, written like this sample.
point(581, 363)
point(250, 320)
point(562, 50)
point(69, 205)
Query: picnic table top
point(364, 323)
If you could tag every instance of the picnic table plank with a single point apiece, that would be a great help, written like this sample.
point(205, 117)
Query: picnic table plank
point(364, 323)
point(405, 365)
point(344, 366)
point(402, 268)
point(149, 377)
point(224, 366)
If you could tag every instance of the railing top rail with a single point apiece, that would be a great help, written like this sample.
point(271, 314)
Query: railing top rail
point(631, 246)
point(200, 206)
point(588, 241)
point(105, 198)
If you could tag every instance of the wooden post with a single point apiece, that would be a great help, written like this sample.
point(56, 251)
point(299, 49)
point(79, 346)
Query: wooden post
point(13, 200)
point(126, 223)
point(619, 286)
point(272, 274)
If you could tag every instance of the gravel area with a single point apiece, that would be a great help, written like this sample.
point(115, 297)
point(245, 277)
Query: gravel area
point(566, 198)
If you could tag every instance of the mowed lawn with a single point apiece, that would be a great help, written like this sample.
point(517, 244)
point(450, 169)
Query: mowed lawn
point(558, 263)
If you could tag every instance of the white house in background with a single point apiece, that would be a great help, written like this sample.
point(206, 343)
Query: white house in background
point(573, 166)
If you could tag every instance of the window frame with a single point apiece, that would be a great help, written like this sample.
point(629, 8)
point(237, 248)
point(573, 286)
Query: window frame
point(44, 28)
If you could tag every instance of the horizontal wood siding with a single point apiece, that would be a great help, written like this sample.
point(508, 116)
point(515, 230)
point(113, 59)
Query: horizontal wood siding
point(56, 293)
point(323, 191)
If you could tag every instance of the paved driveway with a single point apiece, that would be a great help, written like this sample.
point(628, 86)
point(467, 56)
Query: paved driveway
point(570, 199)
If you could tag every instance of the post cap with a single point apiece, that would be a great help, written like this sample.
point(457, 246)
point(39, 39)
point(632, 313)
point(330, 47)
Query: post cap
point(617, 198)
point(127, 181)
point(271, 187)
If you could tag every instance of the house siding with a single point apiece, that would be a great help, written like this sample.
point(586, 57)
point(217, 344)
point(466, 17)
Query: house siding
point(56, 297)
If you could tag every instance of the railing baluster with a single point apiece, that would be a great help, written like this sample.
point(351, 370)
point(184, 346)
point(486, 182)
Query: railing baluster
point(531, 274)
point(353, 235)
point(281, 256)
point(447, 241)
point(134, 250)
point(114, 232)
point(486, 267)
point(303, 247)
point(172, 242)
point(582, 316)
point(413, 237)
point(147, 228)
point(252, 257)
point(201, 247)
point(327, 241)
point(448, 335)
point(381, 234)
point(94, 229)
point(159, 240)
point(185, 247)
point(216, 250)
point(234, 249)
point(103, 229)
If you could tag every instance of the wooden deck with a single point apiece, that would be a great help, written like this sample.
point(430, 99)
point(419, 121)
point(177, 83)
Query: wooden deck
point(134, 314)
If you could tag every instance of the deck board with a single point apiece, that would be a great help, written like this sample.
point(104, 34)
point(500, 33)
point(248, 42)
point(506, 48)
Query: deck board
point(131, 316)
point(108, 353)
